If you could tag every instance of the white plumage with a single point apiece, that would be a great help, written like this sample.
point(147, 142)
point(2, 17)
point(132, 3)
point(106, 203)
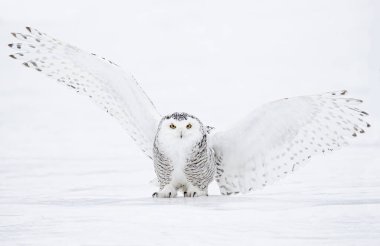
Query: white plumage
point(280, 136)
point(103, 81)
point(268, 144)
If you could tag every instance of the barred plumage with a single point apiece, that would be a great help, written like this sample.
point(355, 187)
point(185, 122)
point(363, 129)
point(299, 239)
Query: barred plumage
point(185, 163)
point(162, 166)
point(200, 166)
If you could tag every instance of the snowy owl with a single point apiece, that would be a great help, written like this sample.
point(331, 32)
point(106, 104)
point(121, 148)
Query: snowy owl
point(271, 142)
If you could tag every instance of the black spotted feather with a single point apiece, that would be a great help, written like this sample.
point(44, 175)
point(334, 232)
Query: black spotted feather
point(277, 138)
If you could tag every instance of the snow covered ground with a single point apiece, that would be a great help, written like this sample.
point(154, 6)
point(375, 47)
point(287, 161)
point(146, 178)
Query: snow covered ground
point(94, 201)
point(69, 175)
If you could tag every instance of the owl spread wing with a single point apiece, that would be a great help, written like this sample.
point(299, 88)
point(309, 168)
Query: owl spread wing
point(280, 136)
point(118, 93)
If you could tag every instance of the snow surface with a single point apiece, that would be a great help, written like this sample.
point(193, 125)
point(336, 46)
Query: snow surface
point(69, 174)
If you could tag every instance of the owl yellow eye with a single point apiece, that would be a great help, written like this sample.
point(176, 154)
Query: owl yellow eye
point(188, 126)
point(172, 126)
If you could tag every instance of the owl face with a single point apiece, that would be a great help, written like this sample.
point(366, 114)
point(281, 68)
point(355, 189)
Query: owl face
point(181, 126)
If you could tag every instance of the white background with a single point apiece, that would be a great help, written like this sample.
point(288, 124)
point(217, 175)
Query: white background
point(69, 175)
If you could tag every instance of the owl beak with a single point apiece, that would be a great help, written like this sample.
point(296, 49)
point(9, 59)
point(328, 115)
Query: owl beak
point(181, 135)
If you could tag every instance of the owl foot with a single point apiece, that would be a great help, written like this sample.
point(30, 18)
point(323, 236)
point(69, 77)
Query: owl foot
point(167, 192)
point(193, 191)
point(190, 194)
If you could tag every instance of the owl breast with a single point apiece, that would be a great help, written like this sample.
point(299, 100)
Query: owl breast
point(182, 162)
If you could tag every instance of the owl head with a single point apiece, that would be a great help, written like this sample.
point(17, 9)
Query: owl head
point(180, 127)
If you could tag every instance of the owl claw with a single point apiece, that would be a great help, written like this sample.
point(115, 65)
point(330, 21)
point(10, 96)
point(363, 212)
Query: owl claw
point(166, 192)
point(189, 194)
point(192, 191)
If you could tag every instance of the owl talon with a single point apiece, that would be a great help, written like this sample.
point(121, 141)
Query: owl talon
point(168, 191)
point(193, 191)
point(189, 194)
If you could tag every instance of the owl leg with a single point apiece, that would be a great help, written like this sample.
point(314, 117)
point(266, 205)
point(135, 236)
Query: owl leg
point(193, 191)
point(168, 191)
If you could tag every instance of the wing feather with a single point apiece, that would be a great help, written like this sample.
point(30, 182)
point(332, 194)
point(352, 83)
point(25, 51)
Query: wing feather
point(117, 92)
point(277, 138)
